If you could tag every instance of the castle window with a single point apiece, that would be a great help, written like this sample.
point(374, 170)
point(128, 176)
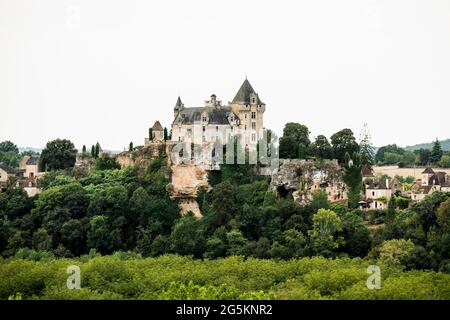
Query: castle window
point(204, 119)
point(253, 100)
point(217, 128)
point(254, 125)
point(245, 127)
point(253, 115)
point(245, 116)
point(253, 137)
point(204, 128)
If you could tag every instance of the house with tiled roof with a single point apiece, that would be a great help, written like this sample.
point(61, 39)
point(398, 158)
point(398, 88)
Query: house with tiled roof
point(6, 174)
point(378, 193)
point(430, 182)
point(29, 167)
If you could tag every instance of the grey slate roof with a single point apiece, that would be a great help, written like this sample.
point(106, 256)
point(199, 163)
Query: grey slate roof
point(179, 104)
point(243, 95)
point(215, 115)
point(378, 185)
point(157, 126)
point(6, 168)
point(33, 160)
point(428, 170)
point(437, 179)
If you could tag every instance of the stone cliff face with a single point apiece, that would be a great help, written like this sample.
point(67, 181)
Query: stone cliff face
point(141, 156)
point(185, 179)
point(185, 182)
point(300, 178)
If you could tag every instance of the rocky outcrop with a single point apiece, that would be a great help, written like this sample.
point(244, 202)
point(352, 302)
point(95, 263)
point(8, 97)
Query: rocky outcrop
point(185, 182)
point(300, 178)
point(141, 156)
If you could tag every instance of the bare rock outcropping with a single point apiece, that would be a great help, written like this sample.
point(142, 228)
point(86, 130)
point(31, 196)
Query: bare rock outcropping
point(300, 178)
point(185, 181)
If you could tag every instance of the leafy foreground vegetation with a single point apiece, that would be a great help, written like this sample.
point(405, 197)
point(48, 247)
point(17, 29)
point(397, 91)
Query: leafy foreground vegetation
point(128, 276)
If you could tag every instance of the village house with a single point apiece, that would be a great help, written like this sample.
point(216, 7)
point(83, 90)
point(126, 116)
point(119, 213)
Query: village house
point(430, 182)
point(28, 175)
point(378, 193)
point(29, 167)
point(6, 175)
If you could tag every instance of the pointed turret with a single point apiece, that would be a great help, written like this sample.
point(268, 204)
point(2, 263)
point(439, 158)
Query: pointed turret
point(246, 94)
point(179, 105)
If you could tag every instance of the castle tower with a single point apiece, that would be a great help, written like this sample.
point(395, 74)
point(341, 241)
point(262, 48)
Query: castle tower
point(250, 109)
point(178, 107)
point(157, 132)
point(426, 175)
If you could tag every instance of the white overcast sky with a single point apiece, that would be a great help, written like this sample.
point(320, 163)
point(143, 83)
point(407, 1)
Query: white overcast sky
point(106, 70)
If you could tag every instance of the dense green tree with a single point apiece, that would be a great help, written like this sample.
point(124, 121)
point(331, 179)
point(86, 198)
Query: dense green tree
point(42, 241)
point(343, 142)
point(224, 203)
point(71, 197)
point(288, 148)
point(443, 215)
point(353, 179)
point(395, 252)
point(445, 161)
point(217, 245)
point(5, 231)
point(186, 237)
point(166, 135)
point(236, 242)
point(93, 151)
point(106, 162)
point(366, 149)
point(296, 242)
point(58, 154)
point(326, 235)
point(16, 241)
point(83, 150)
point(14, 203)
point(97, 150)
point(295, 141)
point(150, 134)
point(426, 209)
point(9, 154)
point(418, 259)
point(424, 156)
point(8, 146)
point(321, 148)
point(389, 154)
point(356, 235)
point(101, 237)
point(131, 147)
point(436, 152)
point(73, 235)
point(319, 201)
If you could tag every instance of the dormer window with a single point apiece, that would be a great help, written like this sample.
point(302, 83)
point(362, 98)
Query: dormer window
point(204, 119)
point(253, 100)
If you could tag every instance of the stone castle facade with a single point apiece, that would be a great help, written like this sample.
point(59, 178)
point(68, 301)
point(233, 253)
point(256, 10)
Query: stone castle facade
point(241, 118)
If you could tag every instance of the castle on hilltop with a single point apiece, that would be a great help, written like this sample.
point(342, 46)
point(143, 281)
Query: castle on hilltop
point(241, 118)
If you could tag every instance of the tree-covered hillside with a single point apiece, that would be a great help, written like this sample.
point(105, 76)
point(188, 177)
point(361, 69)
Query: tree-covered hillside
point(445, 144)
